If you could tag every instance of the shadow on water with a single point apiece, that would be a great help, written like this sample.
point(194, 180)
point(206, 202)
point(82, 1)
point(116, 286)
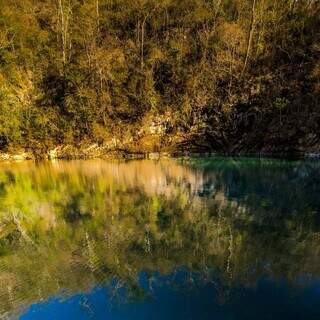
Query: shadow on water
point(203, 238)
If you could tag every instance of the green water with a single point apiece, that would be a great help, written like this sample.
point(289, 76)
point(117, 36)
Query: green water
point(235, 238)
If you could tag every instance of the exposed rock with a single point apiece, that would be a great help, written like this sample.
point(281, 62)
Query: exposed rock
point(16, 157)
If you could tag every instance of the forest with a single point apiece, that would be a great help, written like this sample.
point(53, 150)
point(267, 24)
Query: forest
point(228, 76)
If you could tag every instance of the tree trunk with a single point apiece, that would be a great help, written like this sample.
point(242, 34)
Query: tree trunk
point(142, 40)
point(98, 15)
point(143, 26)
point(138, 35)
point(64, 32)
point(250, 37)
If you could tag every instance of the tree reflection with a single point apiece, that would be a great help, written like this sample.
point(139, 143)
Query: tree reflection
point(68, 226)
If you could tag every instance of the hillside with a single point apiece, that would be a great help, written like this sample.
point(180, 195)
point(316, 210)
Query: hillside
point(231, 76)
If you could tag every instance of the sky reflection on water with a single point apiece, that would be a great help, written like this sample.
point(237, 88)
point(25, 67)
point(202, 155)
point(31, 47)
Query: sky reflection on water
point(182, 300)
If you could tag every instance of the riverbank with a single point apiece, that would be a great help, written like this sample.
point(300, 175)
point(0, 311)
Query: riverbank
point(71, 153)
point(99, 152)
point(159, 76)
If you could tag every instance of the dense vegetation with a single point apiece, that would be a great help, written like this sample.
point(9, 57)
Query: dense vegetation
point(74, 225)
point(146, 75)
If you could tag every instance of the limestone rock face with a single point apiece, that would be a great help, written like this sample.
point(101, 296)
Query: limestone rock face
point(16, 157)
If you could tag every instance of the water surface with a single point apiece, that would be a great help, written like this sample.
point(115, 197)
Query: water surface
point(206, 238)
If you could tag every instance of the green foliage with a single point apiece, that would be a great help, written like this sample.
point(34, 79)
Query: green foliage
point(74, 71)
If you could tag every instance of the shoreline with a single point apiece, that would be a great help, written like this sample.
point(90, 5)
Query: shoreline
point(127, 155)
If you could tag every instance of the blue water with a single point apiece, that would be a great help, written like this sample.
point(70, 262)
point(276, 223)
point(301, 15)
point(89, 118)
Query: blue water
point(268, 300)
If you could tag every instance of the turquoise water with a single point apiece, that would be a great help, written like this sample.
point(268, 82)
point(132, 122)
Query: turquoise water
point(205, 238)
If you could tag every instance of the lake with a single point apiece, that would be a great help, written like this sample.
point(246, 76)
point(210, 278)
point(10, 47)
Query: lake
point(197, 238)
